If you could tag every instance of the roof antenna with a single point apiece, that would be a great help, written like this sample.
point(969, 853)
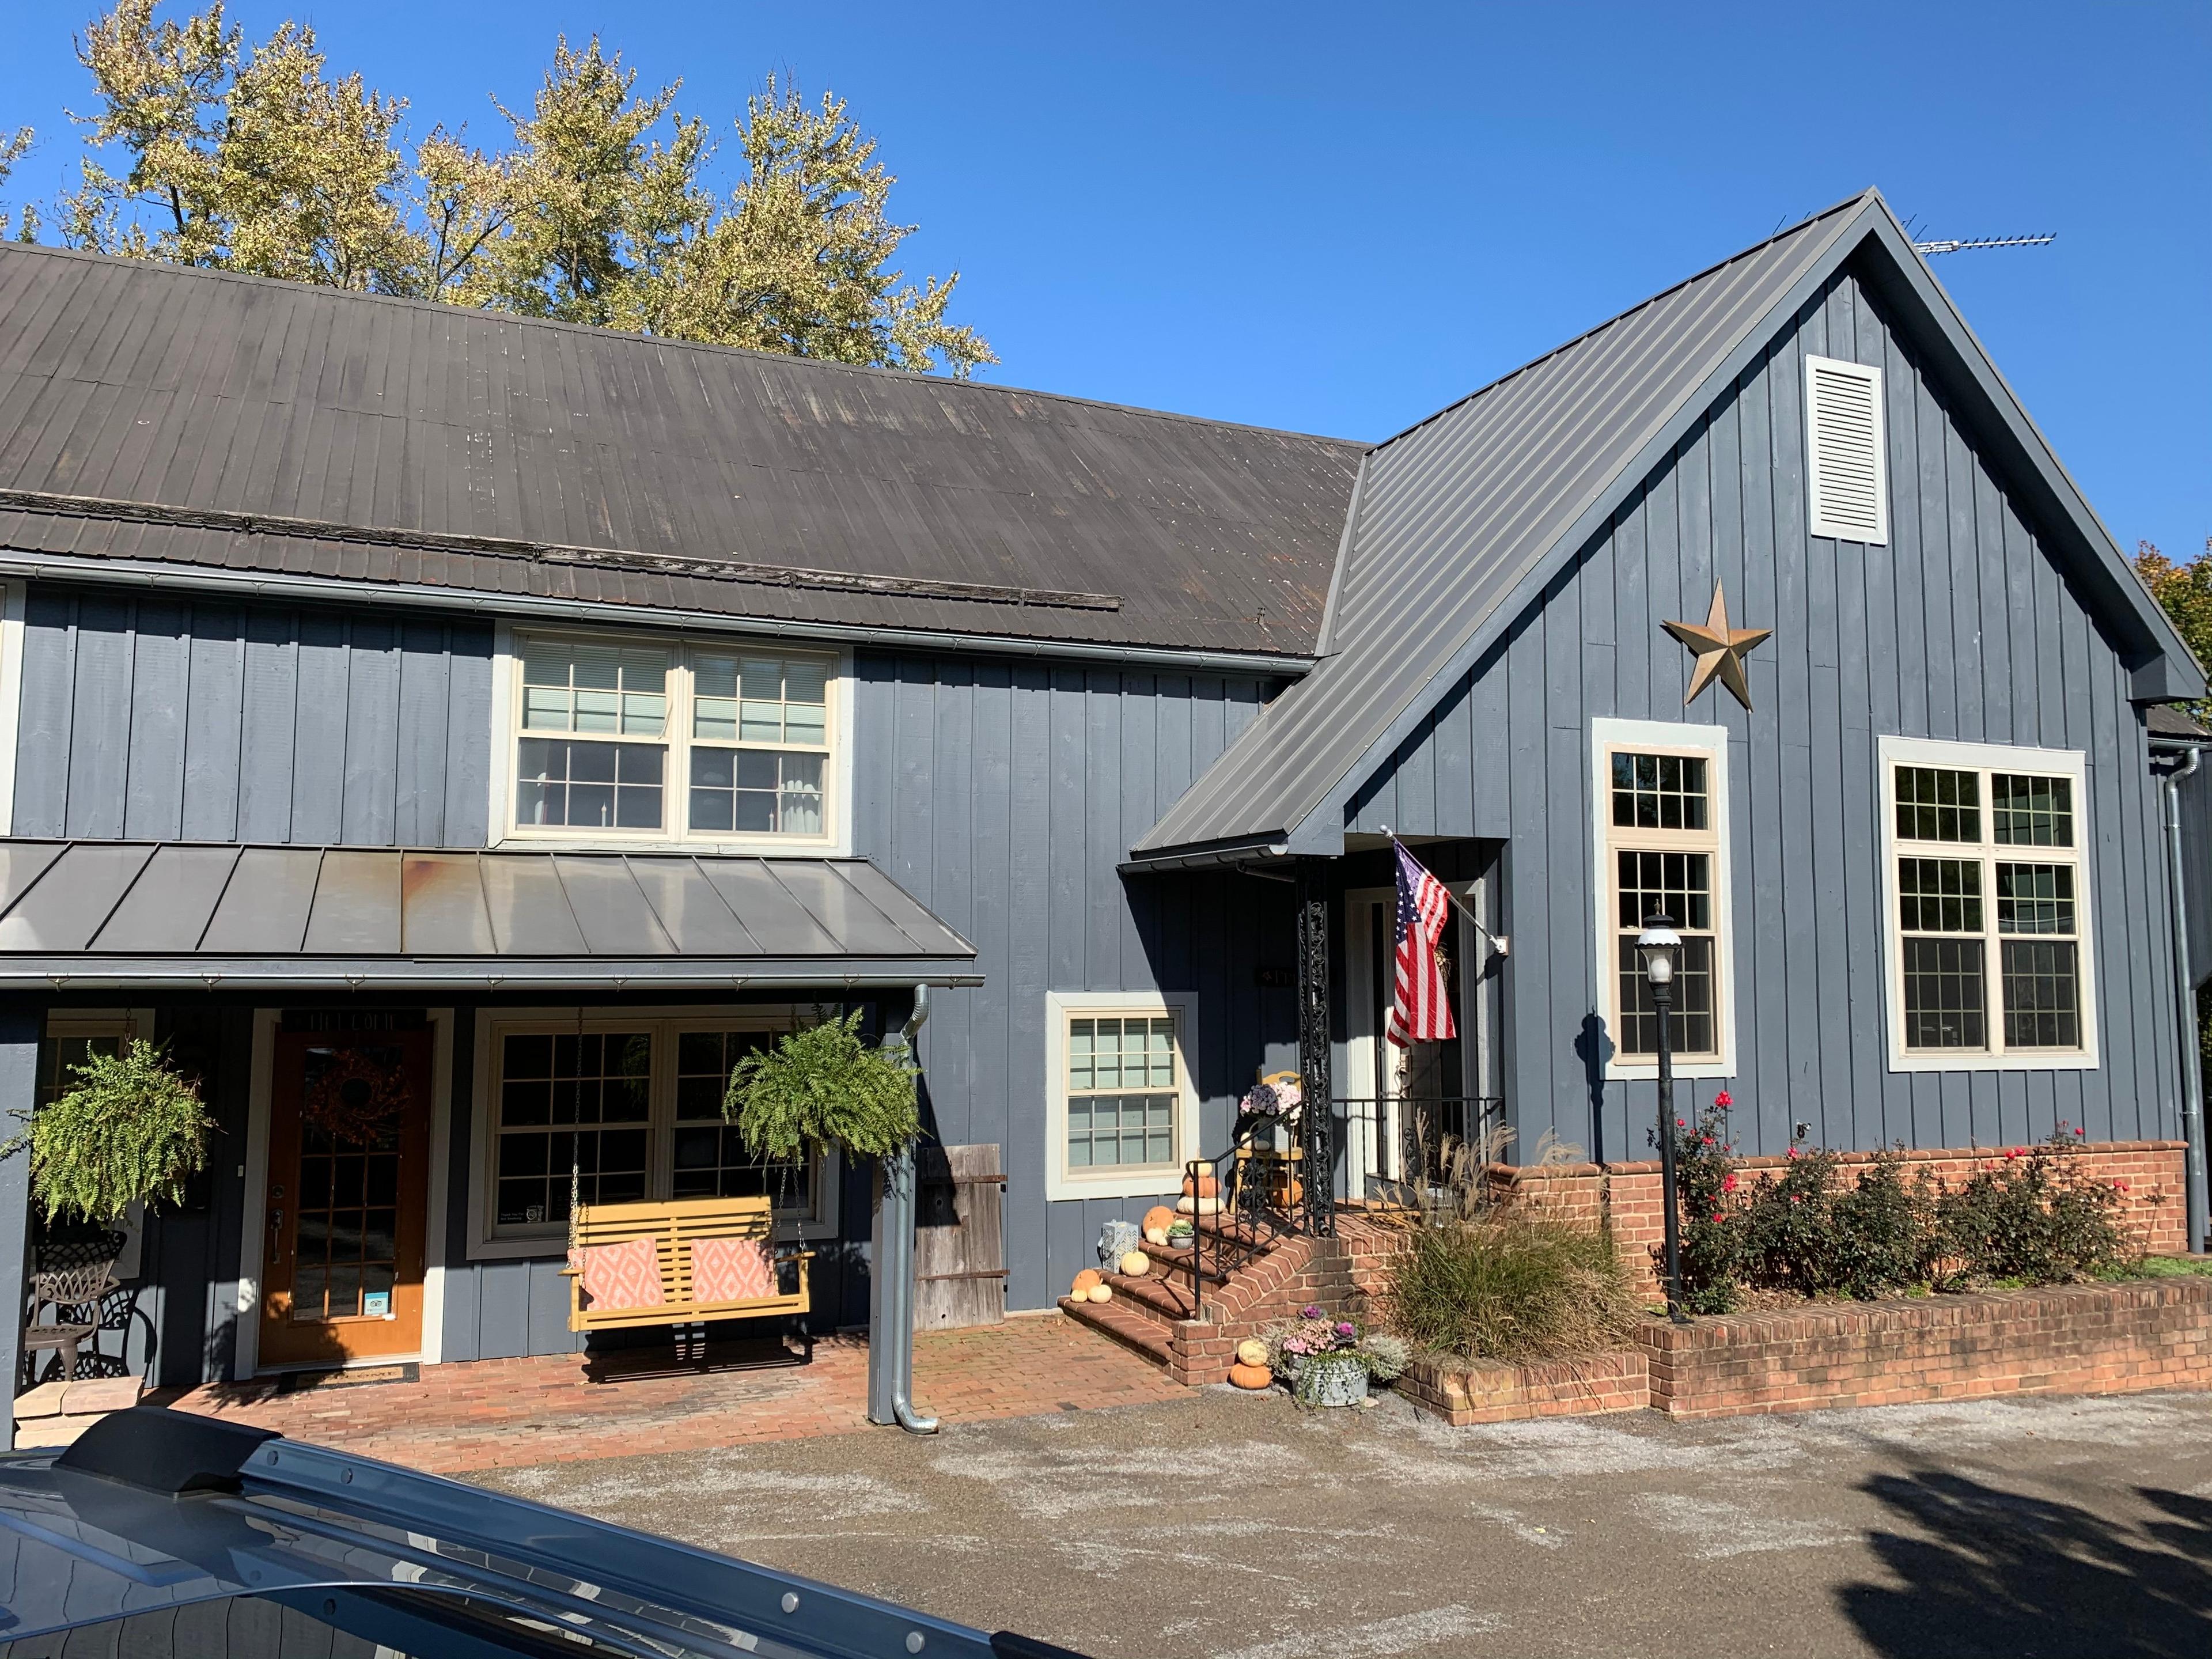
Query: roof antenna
point(1957, 245)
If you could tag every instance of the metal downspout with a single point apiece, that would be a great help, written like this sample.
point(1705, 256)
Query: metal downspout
point(890, 1320)
point(2192, 1064)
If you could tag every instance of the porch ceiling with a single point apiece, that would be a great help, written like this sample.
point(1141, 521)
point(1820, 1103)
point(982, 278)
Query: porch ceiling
point(127, 913)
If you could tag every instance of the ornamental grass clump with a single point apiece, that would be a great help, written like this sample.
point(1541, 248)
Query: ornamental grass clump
point(823, 1085)
point(128, 1130)
point(1511, 1287)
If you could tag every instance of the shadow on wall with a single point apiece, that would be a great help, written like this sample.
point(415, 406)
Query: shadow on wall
point(1986, 1571)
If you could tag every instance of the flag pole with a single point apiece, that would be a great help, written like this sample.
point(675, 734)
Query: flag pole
point(1496, 942)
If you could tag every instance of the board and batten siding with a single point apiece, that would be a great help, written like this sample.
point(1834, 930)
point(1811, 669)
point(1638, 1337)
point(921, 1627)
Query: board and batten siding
point(1962, 627)
point(155, 718)
point(1003, 797)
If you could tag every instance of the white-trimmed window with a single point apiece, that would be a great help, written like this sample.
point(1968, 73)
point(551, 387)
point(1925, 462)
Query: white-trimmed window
point(1122, 1108)
point(1988, 889)
point(1847, 468)
point(1660, 791)
point(631, 1108)
point(638, 738)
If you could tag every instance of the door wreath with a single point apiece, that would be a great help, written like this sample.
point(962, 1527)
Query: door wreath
point(356, 1100)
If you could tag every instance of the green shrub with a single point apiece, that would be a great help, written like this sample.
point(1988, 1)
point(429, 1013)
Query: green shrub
point(823, 1085)
point(1511, 1288)
point(1712, 1239)
point(1810, 1231)
point(129, 1129)
point(2036, 1216)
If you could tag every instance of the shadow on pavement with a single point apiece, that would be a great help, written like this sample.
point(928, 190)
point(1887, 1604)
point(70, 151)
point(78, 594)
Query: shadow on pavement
point(1999, 1573)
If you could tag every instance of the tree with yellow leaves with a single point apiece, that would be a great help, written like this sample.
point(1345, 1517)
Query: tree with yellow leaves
point(251, 157)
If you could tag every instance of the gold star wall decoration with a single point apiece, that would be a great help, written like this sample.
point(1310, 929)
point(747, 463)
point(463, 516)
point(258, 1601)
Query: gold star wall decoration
point(1720, 650)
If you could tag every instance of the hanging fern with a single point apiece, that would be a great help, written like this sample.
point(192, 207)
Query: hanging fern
point(823, 1085)
point(129, 1129)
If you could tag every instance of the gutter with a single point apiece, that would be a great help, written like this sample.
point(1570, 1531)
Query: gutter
point(320, 590)
point(890, 1288)
point(2192, 1063)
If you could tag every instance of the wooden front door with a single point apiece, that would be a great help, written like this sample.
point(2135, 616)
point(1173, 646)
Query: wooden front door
point(349, 1166)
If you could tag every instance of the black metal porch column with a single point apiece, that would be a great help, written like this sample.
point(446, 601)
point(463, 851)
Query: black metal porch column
point(1318, 1125)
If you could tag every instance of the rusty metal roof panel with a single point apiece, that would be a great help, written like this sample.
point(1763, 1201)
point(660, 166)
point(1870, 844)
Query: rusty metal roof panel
point(135, 911)
point(441, 906)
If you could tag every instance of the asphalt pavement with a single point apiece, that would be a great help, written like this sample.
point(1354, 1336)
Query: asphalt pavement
point(1238, 1527)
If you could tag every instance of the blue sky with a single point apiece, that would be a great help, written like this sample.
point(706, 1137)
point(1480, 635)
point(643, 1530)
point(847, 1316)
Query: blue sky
point(1340, 217)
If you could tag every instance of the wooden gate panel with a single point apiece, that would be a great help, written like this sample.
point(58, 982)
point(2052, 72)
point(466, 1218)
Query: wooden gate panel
point(959, 1250)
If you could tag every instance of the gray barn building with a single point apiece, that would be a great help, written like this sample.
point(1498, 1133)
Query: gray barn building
point(552, 715)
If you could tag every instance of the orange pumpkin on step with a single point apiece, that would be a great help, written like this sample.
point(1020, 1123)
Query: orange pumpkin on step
point(1207, 1187)
point(1084, 1282)
point(1251, 1377)
point(1158, 1216)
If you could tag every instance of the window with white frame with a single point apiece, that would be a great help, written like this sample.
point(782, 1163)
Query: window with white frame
point(1662, 811)
point(1123, 1106)
point(671, 740)
point(1989, 905)
point(628, 1109)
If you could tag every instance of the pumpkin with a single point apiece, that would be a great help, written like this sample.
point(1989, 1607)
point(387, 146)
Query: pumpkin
point(1209, 1206)
point(1136, 1264)
point(1156, 1235)
point(1186, 1205)
point(1288, 1192)
point(1251, 1377)
point(1102, 1292)
point(1084, 1282)
point(1158, 1216)
point(1205, 1186)
point(1251, 1352)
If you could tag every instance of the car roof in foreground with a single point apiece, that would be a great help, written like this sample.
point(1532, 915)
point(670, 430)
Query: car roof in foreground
point(154, 1511)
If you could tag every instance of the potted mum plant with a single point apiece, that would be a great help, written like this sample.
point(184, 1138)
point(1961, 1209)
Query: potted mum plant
point(1331, 1361)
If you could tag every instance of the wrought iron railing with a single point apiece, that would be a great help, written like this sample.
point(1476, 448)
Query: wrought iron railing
point(1397, 1147)
point(1247, 1198)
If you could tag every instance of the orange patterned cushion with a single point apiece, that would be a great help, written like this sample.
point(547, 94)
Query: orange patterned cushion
point(625, 1275)
point(731, 1270)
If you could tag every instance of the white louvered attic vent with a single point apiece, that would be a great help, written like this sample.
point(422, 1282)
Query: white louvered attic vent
point(1849, 480)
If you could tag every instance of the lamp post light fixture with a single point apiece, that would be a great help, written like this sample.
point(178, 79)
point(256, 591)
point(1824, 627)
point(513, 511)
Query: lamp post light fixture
point(1659, 944)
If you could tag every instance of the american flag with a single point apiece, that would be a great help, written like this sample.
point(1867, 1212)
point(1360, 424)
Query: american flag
point(1421, 1009)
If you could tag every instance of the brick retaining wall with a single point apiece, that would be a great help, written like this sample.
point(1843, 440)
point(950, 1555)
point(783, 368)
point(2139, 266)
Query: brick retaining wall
point(2069, 1338)
point(1462, 1393)
point(1628, 1195)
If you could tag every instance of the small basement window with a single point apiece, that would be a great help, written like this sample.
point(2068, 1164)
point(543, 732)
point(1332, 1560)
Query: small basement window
point(1846, 469)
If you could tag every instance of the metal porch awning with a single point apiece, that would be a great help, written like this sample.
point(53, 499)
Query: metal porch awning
point(88, 914)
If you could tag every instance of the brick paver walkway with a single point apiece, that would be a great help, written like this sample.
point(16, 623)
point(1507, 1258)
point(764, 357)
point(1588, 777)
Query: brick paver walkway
point(499, 1413)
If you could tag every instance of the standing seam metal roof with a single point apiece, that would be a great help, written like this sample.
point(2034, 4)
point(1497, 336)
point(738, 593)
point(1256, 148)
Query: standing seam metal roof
point(1454, 516)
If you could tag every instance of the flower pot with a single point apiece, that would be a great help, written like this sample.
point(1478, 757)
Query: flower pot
point(1331, 1379)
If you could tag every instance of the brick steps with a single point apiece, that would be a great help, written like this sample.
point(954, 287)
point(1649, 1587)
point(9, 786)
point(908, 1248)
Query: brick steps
point(1134, 1327)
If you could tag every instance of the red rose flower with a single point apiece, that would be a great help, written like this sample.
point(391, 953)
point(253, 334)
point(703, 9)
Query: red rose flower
point(1724, 1100)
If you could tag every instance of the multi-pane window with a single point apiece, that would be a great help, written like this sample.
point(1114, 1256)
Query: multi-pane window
point(628, 1110)
point(678, 741)
point(1123, 1092)
point(1987, 881)
point(1661, 852)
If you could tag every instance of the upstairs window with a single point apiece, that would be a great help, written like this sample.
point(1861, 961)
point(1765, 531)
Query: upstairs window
point(1988, 906)
point(672, 741)
point(1846, 471)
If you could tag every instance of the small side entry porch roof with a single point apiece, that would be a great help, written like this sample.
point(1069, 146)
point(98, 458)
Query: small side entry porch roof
point(88, 914)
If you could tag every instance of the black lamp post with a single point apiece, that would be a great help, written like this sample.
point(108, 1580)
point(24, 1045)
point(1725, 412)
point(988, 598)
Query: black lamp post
point(1659, 944)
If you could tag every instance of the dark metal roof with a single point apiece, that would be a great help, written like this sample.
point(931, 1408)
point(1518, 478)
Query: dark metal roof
point(1459, 521)
point(179, 911)
point(2164, 720)
point(154, 413)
